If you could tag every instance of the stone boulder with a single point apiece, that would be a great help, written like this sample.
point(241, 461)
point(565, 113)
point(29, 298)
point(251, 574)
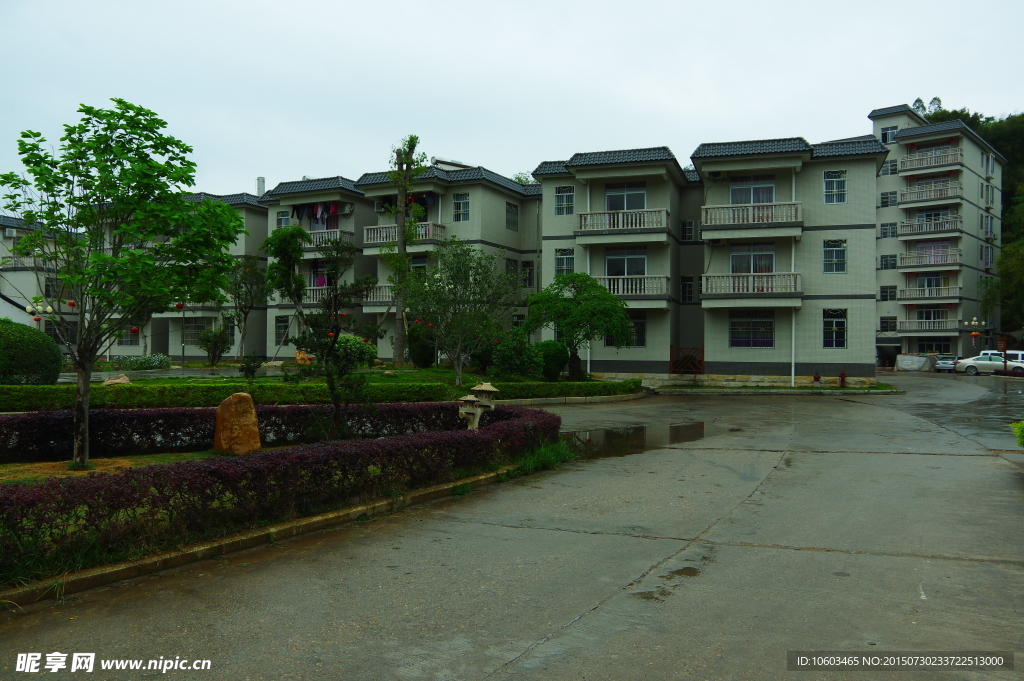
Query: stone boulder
point(120, 379)
point(237, 431)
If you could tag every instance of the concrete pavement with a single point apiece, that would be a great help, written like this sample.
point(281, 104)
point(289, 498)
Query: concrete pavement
point(750, 526)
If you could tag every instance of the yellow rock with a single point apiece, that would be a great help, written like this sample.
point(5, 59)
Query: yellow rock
point(237, 431)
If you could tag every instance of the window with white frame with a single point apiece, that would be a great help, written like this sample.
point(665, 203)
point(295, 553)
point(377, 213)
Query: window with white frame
point(526, 274)
point(887, 262)
point(193, 326)
point(625, 196)
point(887, 199)
point(50, 329)
point(419, 262)
point(284, 218)
point(887, 324)
point(127, 337)
point(565, 200)
point(888, 168)
point(752, 258)
point(686, 289)
point(988, 226)
point(620, 262)
point(888, 230)
point(460, 207)
point(281, 323)
point(886, 293)
point(833, 328)
point(889, 134)
point(835, 186)
point(987, 256)
point(638, 331)
point(689, 230)
point(565, 261)
point(751, 189)
point(752, 328)
point(834, 256)
point(511, 216)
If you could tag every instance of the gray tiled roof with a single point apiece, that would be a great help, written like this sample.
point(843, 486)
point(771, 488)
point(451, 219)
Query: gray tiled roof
point(691, 175)
point(602, 158)
point(551, 168)
point(319, 184)
point(8, 221)
point(899, 108)
point(854, 146)
point(242, 198)
point(460, 176)
point(532, 189)
point(786, 145)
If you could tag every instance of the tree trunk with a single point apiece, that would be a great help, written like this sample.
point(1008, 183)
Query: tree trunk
point(575, 370)
point(456, 360)
point(81, 418)
point(241, 336)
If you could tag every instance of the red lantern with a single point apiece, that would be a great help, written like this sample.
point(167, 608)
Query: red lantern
point(495, 342)
point(344, 314)
point(71, 303)
point(330, 335)
point(179, 306)
point(134, 329)
point(366, 340)
point(37, 319)
point(975, 334)
point(429, 324)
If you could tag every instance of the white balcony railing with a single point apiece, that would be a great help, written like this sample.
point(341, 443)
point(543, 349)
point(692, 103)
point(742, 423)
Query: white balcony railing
point(929, 325)
point(953, 223)
point(945, 190)
point(379, 294)
point(314, 294)
point(930, 292)
point(624, 219)
point(927, 159)
point(386, 233)
point(755, 284)
point(322, 237)
point(953, 256)
point(753, 213)
point(635, 285)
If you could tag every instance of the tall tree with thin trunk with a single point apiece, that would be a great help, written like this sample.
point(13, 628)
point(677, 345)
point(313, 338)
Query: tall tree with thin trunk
point(247, 291)
point(283, 278)
point(116, 230)
point(406, 165)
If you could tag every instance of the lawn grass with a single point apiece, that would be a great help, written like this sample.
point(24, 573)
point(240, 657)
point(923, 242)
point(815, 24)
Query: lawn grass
point(37, 472)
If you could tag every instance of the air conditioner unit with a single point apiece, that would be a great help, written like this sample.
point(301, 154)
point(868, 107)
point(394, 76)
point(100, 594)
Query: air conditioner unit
point(347, 208)
point(378, 206)
point(716, 174)
point(10, 233)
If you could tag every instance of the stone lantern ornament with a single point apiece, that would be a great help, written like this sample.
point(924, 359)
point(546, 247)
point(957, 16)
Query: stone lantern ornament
point(473, 406)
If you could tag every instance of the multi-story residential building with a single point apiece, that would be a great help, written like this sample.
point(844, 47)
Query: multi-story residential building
point(939, 227)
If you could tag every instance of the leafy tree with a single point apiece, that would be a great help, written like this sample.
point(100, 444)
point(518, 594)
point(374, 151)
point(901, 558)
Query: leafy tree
point(248, 290)
point(282, 278)
point(524, 178)
point(555, 356)
point(421, 345)
point(214, 341)
point(463, 296)
point(514, 354)
point(406, 165)
point(580, 310)
point(117, 230)
point(251, 363)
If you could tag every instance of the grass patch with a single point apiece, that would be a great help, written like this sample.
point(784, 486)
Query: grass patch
point(547, 456)
point(461, 490)
point(37, 472)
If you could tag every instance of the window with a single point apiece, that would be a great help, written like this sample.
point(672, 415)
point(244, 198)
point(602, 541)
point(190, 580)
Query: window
point(460, 207)
point(888, 230)
point(940, 344)
point(527, 274)
point(752, 329)
point(565, 261)
point(50, 329)
point(689, 231)
point(419, 262)
point(887, 293)
point(638, 338)
point(284, 218)
point(752, 189)
point(281, 329)
point(835, 256)
point(887, 262)
point(511, 217)
point(625, 196)
point(930, 314)
point(988, 229)
point(889, 134)
point(511, 267)
point(565, 200)
point(835, 186)
point(888, 199)
point(987, 256)
point(126, 336)
point(753, 258)
point(620, 262)
point(51, 288)
point(194, 326)
point(833, 328)
point(888, 168)
point(518, 319)
point(887, 324)
point(686, 289)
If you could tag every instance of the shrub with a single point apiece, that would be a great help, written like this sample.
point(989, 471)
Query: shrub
point(421, 346)
point(27, 355)
point(1018, 430)
point(214, 342)
point(251, 363)
point(521, 391)
point(514, 354)
point(554, 356)
point(155, 360)
point(63, 524)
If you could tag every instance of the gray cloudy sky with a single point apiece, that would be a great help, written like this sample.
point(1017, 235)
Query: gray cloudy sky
point(318, 88)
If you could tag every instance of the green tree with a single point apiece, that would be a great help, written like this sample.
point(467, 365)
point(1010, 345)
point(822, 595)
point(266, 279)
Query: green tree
point(285, 246)
point(247, 291)
point(555, 357)
point(117, 230)
point(214, 341)
point(580, 310)
point(463, 296)
point(524, 178)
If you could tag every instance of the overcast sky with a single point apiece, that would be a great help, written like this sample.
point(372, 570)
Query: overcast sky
point(322, 88)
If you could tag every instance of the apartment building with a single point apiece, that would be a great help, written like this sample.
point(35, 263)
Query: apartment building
point(939, 227)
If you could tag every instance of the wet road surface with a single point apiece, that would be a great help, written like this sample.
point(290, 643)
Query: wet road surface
point(705, 538)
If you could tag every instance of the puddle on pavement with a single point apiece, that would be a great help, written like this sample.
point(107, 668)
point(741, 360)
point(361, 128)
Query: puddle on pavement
point(596, 444)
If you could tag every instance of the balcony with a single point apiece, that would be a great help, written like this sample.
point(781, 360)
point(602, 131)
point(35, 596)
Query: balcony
point(942, 260)
point(921, 229)
point(929, 293)
point(613, 226)
point(315, 294)
point(382, 234)
point(320, 238)
point(776, 289)
point(925, 325)
point(938, 193)
point(752, 220)
point(380, 294)
point(640, 291)
point(931, 159)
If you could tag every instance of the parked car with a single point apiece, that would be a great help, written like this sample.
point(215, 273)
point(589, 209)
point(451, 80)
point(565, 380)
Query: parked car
point(986, 364)
point(946, 363)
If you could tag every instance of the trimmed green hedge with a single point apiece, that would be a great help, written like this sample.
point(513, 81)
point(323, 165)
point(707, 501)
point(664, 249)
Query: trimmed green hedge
point(62, 396)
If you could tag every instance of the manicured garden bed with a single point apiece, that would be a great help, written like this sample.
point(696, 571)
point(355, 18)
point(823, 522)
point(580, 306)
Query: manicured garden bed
point(63, 524)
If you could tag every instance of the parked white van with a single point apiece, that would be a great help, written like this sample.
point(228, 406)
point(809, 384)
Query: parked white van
point(1011, 355)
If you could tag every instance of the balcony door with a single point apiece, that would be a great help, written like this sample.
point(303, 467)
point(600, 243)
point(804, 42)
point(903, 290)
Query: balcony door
point(932, 252)
point(746, 262)
point(621, 262)
point(752, 189)
point(625, 196)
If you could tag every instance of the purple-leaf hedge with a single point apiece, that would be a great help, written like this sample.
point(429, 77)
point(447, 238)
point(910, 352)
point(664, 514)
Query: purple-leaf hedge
point(63, 524)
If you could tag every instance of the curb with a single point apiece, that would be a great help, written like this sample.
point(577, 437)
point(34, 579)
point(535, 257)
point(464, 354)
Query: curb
point(571, 400)
point(91, 578)
point(780, 391)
